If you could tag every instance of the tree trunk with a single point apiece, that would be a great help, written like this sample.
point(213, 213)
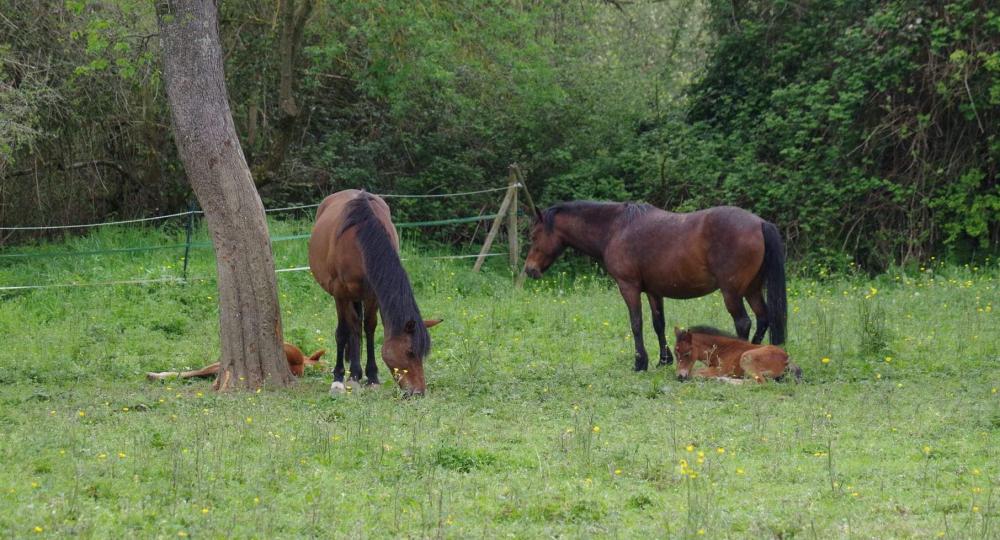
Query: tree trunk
point(292, 18)
point(249, 316)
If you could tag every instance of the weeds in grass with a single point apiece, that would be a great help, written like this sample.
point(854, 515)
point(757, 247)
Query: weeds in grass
point(873, 331)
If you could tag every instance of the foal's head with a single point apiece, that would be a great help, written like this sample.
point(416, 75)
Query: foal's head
point(546, 244)
point(297, 360)
point(404, 354)
point(684, 351)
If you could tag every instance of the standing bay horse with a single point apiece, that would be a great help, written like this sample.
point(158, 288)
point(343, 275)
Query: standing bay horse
point(668, 255)
point(354, 256)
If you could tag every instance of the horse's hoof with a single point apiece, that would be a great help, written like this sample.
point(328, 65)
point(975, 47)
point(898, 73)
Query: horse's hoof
point(665, 362)
point(337, 388)
point(373, 384)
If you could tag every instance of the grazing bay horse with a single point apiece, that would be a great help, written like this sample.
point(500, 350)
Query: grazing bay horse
point(668, 255)
point(354, 256)
point(297, 362)
point(727, 356)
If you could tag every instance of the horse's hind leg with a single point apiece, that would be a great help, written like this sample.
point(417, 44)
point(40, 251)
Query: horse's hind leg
point(354, 342)
point(759, 308)
point(659, 324)
point(370, 322)
point(734, 304)
point(764, 363)
point(633, 301)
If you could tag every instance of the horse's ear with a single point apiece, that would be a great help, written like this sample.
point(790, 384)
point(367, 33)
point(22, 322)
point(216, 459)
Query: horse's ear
point(432, 322)
point(677, 332)
point(538, 215)
point(410, 327)
point(314, 357)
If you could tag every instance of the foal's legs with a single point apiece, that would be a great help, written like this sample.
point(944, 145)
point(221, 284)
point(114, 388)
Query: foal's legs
point(734, 304)
point(371, 321)
point(633, 301)
point(756, 301)
point(659, 324)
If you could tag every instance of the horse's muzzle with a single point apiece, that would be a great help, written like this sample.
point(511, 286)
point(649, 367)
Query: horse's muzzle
point(533, 273)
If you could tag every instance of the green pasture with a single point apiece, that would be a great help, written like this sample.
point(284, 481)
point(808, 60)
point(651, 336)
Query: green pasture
point(534, 425)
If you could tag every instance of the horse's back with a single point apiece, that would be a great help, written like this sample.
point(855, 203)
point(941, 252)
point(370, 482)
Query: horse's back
point(334, 257)
point(686, 255)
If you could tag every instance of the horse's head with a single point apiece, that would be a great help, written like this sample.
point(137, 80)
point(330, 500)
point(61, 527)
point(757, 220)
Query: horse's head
point(546, 245)
point(297, 360)
point(405, 359)
point(684, 351)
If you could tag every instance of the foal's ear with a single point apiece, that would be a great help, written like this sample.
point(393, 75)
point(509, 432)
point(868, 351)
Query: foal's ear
point(538, 215)
point(677, 332)
point(432, 322)
point(314, 357)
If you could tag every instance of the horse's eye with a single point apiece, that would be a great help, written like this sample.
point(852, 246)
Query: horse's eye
point(410, 354)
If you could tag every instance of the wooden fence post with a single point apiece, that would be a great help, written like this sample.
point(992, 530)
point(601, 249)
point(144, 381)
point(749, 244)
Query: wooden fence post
point(187, 239)
point(519, 282)
point(494, 229)
point(513, 248)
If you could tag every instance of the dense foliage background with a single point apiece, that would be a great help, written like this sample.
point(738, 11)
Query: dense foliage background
point(867, 130)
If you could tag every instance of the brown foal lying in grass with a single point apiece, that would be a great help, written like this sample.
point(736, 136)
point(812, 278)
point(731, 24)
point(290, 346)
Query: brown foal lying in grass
point(729, 357)
point(297, 361)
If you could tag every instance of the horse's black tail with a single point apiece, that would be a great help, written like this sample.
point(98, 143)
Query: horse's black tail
point(774, 280)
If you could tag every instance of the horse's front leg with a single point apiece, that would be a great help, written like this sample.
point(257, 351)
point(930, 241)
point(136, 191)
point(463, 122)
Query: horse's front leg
point(633, 301)
point(371, 322)
point(354, 346)
point(347, 332)
point(659, 324)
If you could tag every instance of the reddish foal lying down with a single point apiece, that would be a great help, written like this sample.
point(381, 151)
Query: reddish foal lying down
point(728, 356)
point(297, 361)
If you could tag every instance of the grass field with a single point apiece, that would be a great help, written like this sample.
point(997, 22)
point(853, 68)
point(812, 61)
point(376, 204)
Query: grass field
point(534, 426)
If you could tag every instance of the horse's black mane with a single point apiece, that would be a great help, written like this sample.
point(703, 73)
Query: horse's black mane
point(630, 210)
point(710, 330)
point(385, 273)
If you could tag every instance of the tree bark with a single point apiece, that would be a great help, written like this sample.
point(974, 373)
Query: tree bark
point(249, 316)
